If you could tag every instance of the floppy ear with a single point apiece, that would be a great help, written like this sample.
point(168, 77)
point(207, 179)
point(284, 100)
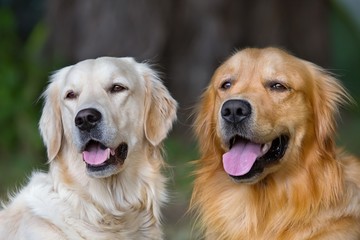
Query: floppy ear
point(328, 96)
point(50, 123)
point(204, 122)
point(160, 108)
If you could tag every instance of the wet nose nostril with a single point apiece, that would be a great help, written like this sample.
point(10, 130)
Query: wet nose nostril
point(78, 121)
point(239, 112)
point(92, 118)
point(226, 112)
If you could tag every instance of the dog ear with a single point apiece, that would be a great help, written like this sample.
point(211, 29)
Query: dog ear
point(204, 123)
point(328, 96)
point(50, 123)
point(160, 108)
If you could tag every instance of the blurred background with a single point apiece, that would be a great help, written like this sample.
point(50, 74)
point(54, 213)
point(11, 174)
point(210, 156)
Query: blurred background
point(185, 39)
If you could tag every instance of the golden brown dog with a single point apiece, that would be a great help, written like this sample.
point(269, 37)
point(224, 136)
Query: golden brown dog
point(269, 168)
point(103, 123)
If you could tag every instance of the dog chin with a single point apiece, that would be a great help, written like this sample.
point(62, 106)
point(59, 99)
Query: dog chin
point(256, 178)
point(104, 172)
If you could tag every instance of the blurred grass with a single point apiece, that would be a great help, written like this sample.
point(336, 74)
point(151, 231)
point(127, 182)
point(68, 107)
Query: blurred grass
point(180, 154)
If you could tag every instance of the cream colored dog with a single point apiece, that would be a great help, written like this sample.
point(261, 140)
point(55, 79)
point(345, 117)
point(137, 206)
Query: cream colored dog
point(103, 123)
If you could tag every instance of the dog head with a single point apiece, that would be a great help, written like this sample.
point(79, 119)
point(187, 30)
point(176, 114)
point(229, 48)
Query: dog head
point(106, 109)
point(262, 107)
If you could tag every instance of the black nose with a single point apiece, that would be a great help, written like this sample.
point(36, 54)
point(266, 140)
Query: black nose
point(234, 111)
point(87, 119)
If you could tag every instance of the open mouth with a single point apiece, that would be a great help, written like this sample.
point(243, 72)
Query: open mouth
point(245, 159)
point(98, 157)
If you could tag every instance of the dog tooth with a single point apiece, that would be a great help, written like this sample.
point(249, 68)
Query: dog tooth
point(108, 151)
point(265, 147)
point(112, 152)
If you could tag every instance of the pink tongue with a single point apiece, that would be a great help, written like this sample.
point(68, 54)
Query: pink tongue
point(241, 157)
point(94, 155)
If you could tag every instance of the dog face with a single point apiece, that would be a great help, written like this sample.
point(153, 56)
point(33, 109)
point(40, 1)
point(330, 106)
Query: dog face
point(262, 107)
point(106, 109)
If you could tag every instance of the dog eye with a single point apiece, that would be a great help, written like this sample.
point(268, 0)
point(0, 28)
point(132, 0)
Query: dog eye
point(117, 88)
point(70, 95)
point(226, 85)
point(276, 86)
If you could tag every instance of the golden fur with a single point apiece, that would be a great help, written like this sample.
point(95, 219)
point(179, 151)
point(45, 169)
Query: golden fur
point(119, 201)
point(313, 191)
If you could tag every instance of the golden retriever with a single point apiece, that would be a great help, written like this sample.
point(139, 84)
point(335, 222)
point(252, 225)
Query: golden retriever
point(103, 122)
point(269, 168)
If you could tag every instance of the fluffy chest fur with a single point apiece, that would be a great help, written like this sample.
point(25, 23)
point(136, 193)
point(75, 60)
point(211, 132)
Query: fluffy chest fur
point(129, 211)
point(296, 208)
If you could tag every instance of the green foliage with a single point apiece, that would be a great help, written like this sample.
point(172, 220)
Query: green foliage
point(23, 73)
point(180, 157)
point(345, 50)
point(345, 45)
